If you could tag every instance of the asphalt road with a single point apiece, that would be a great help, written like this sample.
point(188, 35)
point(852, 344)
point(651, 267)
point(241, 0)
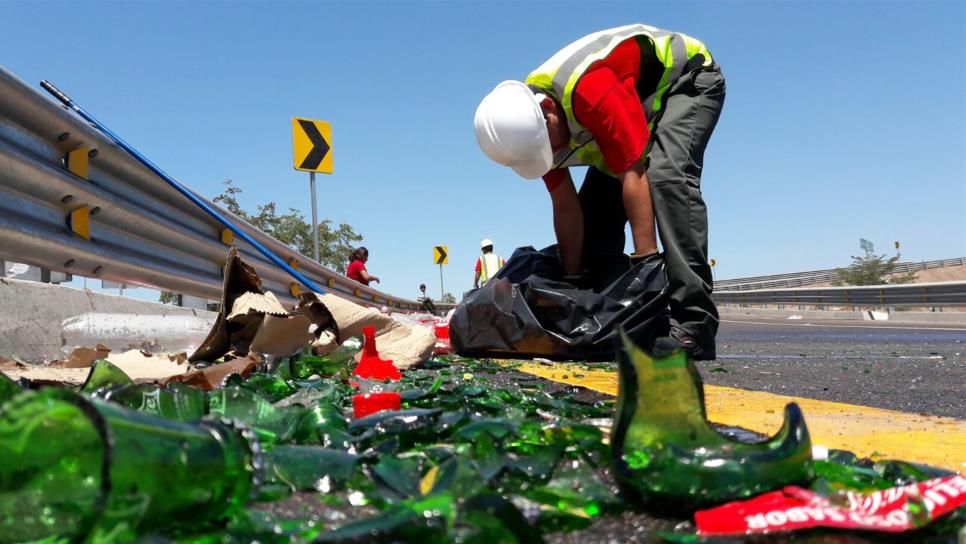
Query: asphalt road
point(920, 369)
point(911, 368)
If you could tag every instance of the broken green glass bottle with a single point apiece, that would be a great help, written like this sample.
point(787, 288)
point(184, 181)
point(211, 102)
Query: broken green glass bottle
point(667, 455)
point(324, 366)
point(73, 467)
point(175, 401)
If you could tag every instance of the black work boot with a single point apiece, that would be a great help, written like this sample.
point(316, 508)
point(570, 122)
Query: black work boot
point(680, 340)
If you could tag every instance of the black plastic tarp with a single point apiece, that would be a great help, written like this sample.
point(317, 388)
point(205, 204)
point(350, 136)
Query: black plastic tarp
point(526, 310)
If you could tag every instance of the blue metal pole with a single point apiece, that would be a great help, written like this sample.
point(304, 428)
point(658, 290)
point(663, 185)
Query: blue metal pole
point(181, 188)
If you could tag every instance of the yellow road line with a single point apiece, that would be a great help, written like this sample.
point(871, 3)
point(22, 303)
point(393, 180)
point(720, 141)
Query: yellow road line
point(866, 431)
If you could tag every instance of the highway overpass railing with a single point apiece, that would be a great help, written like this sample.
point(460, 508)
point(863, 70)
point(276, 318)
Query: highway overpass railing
point(72, 201)
point(949, 293)
point(802, 279)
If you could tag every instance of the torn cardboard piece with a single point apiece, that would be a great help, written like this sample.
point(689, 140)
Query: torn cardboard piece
point(406, 345)
point(253, 321)
point(239, 279)
point(259, 303)
point(134, 363)
point(8, 363)
point(214, 376)
point(282, 336)
point(84, 357)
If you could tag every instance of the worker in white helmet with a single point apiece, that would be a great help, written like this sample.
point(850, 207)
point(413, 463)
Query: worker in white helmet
point(637, 105)
point(488, 264)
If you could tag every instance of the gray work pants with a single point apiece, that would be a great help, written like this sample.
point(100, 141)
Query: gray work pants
point(675, 160)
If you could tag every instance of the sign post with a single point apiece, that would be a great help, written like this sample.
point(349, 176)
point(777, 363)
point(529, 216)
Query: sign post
point(311, 150)
point(867, 246)
point(440, 257)
point(712, 262)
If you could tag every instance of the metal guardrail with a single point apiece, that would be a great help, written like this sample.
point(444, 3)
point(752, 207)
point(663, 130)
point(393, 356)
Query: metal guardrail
point(947, 293)
point(141, 230)
point(801, 279)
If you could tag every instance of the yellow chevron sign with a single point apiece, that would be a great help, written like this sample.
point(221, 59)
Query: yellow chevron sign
point(312, 145)
point(440, 256)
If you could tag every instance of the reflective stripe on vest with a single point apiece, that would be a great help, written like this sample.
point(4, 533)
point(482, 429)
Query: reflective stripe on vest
point(489, 261)
point(559, 75)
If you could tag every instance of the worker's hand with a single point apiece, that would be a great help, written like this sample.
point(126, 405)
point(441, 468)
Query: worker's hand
point(375, 279)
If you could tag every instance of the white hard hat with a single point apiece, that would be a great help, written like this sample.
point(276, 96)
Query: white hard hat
point(485, 242)
point(512, 131)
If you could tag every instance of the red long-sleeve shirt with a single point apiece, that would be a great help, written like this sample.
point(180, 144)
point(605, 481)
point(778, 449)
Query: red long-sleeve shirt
point(605, 101)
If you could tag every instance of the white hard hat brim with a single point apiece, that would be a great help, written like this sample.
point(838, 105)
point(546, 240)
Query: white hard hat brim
point(536, 167)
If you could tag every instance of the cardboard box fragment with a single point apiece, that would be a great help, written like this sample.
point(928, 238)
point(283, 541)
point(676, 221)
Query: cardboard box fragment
point(406, 345)
point(138, 366)
point(215, 376)
point(239, 279)
point(254, 321)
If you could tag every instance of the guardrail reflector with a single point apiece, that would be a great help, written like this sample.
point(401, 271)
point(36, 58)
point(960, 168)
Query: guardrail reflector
point(294, 289)
point(80, 222)
point(78, 162)
point(227, 237)
point(293, 263)
point(356, 292)
point(331, 283)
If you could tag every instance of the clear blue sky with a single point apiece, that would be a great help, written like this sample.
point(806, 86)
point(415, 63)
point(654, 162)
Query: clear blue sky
point(842, 120)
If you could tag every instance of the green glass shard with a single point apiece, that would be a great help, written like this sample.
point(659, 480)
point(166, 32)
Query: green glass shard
point(104, 374)
point(323, 425)
point(325, 366)
point(832, 476)
point(397, 478)
point(272, 425)
point(271, 386)
point(8, 388)
point(306, 468)
point(666, 454)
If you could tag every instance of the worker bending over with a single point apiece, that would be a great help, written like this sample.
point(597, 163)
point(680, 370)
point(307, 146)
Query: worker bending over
point(637, 104)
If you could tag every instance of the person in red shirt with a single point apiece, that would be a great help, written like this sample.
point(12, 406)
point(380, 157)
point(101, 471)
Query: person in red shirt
point(637, 105)
point(357, 267)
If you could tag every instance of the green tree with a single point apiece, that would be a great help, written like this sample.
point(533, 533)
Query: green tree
point(448, 297)
point(291, 228)
point(871, 270)
point(168, 297)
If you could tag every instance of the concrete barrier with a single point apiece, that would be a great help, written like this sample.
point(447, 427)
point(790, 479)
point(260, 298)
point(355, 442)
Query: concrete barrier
point(899, 318)
point(732, 312)
point(41, 322)
point(925, 318)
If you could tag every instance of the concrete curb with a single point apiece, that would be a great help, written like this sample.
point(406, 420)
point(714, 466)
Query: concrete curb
point(40, 322)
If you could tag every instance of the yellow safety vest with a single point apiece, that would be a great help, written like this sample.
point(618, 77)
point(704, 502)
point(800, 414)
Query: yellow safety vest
point(490, 264)
point(558, 77)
